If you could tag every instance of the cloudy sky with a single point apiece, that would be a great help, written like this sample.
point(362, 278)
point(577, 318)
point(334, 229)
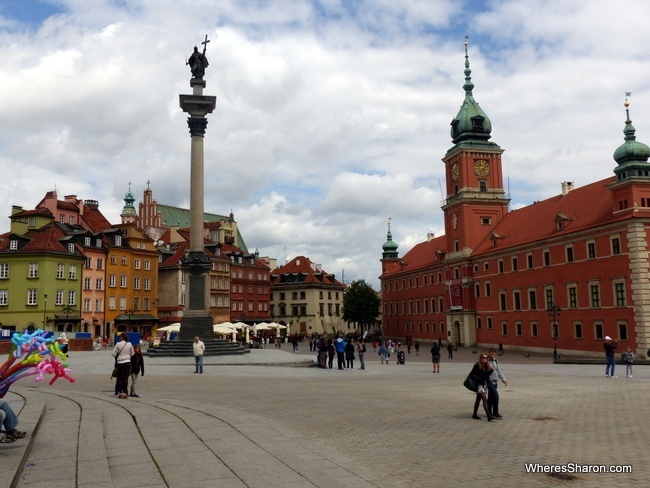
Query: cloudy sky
point(332, 116)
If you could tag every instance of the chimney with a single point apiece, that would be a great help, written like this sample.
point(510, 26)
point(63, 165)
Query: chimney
point(567, 186)
point(430, 236)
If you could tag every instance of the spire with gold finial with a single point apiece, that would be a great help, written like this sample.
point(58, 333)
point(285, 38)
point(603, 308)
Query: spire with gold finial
point(631, 156)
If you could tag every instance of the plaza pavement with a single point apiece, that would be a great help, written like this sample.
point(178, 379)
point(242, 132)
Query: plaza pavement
point(253, 421)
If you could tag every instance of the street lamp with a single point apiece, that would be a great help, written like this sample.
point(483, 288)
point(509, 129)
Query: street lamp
point(67, 309)
point(129, 312)
point(554, 310)
point(44, 310)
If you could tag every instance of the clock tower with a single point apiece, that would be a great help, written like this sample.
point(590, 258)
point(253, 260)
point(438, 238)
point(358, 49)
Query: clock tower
point(476, 200)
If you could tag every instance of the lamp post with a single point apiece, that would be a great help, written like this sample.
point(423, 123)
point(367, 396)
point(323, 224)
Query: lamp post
point(129, 313)
point(67, 309)
point(44, 310)
point(554, 310)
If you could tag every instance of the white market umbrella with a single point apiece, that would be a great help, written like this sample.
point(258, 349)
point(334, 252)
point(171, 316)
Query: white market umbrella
point(175, 327)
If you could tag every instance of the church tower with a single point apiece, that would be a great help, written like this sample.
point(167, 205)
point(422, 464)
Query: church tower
point(476, 200)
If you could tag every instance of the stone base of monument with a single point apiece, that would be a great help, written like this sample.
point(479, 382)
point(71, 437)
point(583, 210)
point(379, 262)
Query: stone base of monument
point(213, 347)
point(193, 326)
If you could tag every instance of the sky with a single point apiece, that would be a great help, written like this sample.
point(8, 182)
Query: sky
point(332, 116)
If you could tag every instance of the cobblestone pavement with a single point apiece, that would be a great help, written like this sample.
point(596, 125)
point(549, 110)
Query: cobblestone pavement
point(402, 425)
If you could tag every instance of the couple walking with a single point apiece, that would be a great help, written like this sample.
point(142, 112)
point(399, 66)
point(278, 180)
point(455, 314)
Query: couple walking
point(486, 375)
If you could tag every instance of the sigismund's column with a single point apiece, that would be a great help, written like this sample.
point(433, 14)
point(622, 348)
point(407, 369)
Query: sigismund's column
point(197, 320)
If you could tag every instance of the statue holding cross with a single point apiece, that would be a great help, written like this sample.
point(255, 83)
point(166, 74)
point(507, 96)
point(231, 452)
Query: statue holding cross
point(198, 62)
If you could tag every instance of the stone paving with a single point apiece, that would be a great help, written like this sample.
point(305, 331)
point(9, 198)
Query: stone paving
point(252, 421)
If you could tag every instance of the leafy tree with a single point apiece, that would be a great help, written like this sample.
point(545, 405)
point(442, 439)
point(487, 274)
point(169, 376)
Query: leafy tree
point(360, 304)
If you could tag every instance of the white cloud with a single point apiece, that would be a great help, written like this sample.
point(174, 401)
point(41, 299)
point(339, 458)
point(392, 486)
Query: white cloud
point(330, 117)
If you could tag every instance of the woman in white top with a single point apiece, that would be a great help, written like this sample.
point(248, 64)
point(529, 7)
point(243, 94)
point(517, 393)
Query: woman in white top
point(122, 353)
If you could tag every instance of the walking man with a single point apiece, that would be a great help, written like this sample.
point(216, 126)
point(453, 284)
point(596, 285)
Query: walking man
point(493, 383)
point(199, 349)
point(609, 347)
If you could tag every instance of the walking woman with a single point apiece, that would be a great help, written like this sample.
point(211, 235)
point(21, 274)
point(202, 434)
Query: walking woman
point(481, 375)
point(122, 353)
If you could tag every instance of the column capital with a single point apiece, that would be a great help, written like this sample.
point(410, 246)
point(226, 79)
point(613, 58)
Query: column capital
point(197, 126)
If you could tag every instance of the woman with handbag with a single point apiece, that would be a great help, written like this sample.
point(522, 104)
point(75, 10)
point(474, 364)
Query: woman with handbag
point(122, 353)
point(480, 374)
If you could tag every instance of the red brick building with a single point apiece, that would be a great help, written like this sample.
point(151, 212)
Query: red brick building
point(499, 276)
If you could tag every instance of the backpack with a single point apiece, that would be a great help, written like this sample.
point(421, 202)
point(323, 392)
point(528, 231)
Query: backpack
point(363, 347)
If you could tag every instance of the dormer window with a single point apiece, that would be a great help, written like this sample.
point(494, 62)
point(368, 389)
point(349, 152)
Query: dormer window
point(87, 242)
point(71, 247)
point(13, 244)
point(118, 240)
point(98, 243)
point(477, 123)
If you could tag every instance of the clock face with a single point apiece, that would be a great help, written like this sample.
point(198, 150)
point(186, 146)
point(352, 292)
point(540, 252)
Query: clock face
point(454, 171)
point(481, 167)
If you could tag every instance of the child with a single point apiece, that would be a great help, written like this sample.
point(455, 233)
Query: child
point(137, 367)
point(628, 359)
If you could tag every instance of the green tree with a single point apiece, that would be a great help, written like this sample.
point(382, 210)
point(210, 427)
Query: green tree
point(360, 304)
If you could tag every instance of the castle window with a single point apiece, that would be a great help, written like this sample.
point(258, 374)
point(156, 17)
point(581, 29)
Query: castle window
point(529, 260)
point(504, 328)
point(569, 254)
point(533, 329)
point(616, 246)
point(622, 331)
point(486, 221)
point(591, 250)
point(577, 330)
point(482, 185)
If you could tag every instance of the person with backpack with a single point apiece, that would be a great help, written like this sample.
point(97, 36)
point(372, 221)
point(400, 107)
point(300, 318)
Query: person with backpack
point(361, 350)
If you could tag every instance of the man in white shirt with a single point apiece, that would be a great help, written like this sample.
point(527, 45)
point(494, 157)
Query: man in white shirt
point(199, 349)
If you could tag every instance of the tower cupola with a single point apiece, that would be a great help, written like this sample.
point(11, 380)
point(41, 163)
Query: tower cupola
point(390, 247)
point(631, 156)
point(471, 123)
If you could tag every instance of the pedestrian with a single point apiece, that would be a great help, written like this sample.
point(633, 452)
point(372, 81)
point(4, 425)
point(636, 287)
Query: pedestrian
point(311, 344)
point(408, 347)
point(199, 349)
point(295, 343)
point(628, 359)
point(609, 345)
point(481, 375)
point(361, 350)
point(9, 421)
point(137, 368)
point(440, 342)
point(496, 376)
point(374, 346)
point(339, 345)
point(331, 352)
point(321, 346)
point(450, 350)
point(417, 348)
point(383, 353)
point(122, 353)
point(349, 354)
point(64, 342)
point(435, 357)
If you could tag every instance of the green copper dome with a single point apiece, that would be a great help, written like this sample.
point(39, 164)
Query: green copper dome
point(129, 209)
point(471, 123)
point(390, 247)
point(631, 149)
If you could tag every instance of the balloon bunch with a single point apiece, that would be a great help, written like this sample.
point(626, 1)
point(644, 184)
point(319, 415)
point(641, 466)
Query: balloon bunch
point(34, 353)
